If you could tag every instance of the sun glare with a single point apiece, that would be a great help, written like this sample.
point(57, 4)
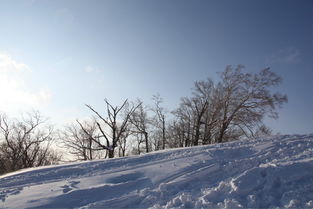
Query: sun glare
point(13, 87)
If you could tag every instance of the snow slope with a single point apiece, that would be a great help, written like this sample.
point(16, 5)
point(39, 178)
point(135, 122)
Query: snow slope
point(263, 173)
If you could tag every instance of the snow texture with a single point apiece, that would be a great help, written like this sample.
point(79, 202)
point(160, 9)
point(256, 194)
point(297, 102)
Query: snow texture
point(262, 173)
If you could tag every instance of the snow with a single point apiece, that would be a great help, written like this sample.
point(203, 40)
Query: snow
point(261, 173)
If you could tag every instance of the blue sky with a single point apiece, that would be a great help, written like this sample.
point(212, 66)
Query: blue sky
point(56, 56)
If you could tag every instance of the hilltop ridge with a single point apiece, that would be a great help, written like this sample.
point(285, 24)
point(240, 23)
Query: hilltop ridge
point(263, 173)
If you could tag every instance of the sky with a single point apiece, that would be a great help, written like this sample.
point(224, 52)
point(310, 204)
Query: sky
point(56, 56)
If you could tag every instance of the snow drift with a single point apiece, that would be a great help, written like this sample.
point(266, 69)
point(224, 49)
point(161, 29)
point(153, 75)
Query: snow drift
point(261, 173)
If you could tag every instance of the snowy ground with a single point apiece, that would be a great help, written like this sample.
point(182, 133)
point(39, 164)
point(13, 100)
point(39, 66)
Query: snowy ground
point(263, 173)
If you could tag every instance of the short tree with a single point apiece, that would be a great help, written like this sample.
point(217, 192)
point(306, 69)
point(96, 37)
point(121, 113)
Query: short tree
point(79, 142)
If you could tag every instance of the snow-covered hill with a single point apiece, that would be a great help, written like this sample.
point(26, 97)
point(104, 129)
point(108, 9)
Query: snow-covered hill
point(263, 173)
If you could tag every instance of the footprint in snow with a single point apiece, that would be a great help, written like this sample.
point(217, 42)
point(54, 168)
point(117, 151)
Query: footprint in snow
point(4, 194)
point(68, 188)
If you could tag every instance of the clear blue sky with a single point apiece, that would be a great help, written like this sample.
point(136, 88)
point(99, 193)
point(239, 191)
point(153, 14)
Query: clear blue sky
point(56, 55)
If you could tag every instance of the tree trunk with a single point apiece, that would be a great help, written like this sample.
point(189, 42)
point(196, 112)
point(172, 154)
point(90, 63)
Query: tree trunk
point(222, 132)
point(163, 133)
point(111, 153)
point(197, 134)
point(90, 149)
point(147, 142)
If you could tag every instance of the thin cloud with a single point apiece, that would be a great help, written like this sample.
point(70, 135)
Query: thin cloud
point(8, 64)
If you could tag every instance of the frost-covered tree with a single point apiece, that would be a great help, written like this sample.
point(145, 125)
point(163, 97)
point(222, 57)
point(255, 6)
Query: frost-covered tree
point(228, 110)
point(244, 99)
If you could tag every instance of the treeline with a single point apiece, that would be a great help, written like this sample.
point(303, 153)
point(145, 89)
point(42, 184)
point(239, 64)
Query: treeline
point(228, 110)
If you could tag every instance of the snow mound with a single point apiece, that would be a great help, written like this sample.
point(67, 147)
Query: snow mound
point(262, 173)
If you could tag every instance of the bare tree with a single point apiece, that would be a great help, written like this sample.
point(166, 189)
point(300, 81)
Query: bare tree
point(204, 93)
point(25, 143)
point(198, 113)
point(160, 117)
point(122, 143)
point(140, 124)
point(177, 134)
point(79, 143)
point(115, 124)
point(183, 124)
point(139, 140)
